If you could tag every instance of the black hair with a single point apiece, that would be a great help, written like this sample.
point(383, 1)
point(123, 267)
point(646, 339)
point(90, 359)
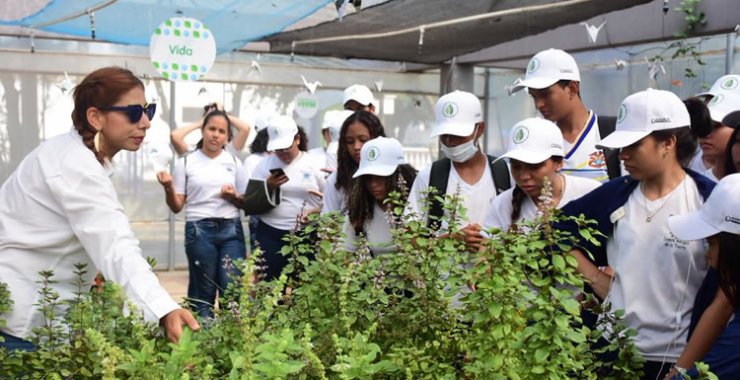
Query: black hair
point(259, 145)
point(728, 265)
point(701, 119)
point(208, 117)
point(361, 202)
point(346, 165)
point(303, 143)
point(566, 82)
point(518, 195)
point(729, 162)
point(685, 142)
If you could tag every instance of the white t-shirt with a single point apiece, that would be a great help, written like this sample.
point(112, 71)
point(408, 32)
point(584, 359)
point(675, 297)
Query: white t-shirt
point(476, 198)
point(377, 233)
point(499, 214)
point(582, 158)
point(331, 155)
point(60, 208)
point(205, 177)
point(657, 275)
point(709, 173)
point(303, 174)
point(253, 160)
point(334, 200)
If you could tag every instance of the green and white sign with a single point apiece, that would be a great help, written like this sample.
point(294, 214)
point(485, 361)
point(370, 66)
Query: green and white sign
point(182, 49)
point(306, 105)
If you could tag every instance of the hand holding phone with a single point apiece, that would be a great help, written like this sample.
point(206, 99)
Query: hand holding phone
point(277, 172)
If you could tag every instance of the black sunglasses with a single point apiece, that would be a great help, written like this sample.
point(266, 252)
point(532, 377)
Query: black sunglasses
point(134, 111)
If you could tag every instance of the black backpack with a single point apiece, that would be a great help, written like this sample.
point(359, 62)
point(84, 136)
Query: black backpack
point(440, 174)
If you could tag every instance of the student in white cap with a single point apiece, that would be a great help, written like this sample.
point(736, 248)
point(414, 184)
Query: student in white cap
point(177, 136)
point(330, 129)
point(714, 143)
point(358, 97)
point(357, 129)
point(382, 171)
point(553, 81)
point(656, 276)
point(713, 341)
point(727, 84)
point(464, 168)
point(282, 189)
point(732, 158)
point(535, 154)
point(204, 183)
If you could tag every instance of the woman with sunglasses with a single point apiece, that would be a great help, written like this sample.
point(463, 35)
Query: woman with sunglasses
point(281, 190)
point(655, 276)
point(206, 182)
point(357, 129)
point(60, 208)
point(535, 155)
point(714, 341)
point(236, 144)
point(382, 171)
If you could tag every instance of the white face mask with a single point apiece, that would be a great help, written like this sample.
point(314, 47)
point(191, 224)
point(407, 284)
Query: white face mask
point(462, 152)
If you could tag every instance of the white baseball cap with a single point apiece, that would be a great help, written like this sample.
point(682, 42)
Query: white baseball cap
point(722, 104)
point(547, 68)
point(720, 213)
point(723, 85)
point(359, 93)
point(281, 131)
point(456, 114)
point(380, 156)
point(643, 113)
point(333, 120)
point(534, 140)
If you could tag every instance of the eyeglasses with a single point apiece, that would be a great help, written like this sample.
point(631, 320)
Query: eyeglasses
point(134, 111)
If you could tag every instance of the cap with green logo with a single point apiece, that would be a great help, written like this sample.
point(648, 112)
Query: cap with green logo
point(722, 104)
point(534, 140)
point(724, 85)
point(380, 156)
point(547, 68)
point(457, 113)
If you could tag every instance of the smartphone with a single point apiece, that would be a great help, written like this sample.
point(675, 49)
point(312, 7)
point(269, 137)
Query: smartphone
point(277, 172)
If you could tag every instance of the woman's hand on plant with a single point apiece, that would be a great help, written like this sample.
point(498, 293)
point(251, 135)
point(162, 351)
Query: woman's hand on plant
point(276, 180)
point(173, 322)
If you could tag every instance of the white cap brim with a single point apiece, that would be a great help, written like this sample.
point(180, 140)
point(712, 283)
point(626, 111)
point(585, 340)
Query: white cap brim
point(379, 170)
point(452, 128)
point(536, 83)
point(707, 93)
point(527, 156)
point(280, 143)
point(691, 226)
point(621, 139)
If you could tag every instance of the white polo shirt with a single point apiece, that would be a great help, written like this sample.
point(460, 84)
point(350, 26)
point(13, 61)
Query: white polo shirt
point(205, 178)
point(377, 233)
point(60, 208)
point(304, 174)
point(334, 199)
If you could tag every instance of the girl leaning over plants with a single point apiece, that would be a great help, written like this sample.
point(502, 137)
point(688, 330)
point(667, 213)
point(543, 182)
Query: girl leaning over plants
point(656, 276)
point(206, 181)
point(714, 341)
point(60, 208)
point(382, 171)
point(357, 129)
point(535, 156)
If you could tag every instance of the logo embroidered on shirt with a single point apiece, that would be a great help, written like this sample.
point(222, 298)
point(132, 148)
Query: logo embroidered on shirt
point(597, 160)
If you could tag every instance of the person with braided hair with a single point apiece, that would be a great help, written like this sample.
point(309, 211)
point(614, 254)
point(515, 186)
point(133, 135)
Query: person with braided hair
point(59, 208)
point(535, 154)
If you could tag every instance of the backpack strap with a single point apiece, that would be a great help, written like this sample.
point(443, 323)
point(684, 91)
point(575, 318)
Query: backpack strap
point(607, 125)
point(440, 173)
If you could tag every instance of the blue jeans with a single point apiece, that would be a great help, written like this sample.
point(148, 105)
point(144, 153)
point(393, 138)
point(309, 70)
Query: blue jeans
point(12, 343)
point(270, 240)
point(212, 245)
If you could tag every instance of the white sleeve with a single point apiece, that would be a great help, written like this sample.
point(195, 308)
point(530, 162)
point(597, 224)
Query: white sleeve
point(416, 195)
point(178, 176)
point(90, 204)
point(332, 197)
point(499, 214)
point(242, 176)
point(350, 240)
point(261, 172)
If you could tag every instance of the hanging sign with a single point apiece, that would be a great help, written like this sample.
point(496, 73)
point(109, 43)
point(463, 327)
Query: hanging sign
point(182, 49)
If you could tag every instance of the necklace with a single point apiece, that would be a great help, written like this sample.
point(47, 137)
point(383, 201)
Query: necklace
point(648, 217)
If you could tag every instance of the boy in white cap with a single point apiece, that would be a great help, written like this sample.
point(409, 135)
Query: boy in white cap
point(655, 276)
point(714, 143)
point(714, 341)
point(381, 164)
point(459, 126)
point(727, 84)
point(553, 81)
point(358, 97)
point(535, 154)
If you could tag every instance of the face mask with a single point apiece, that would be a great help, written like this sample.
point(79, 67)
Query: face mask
point(460, 153)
